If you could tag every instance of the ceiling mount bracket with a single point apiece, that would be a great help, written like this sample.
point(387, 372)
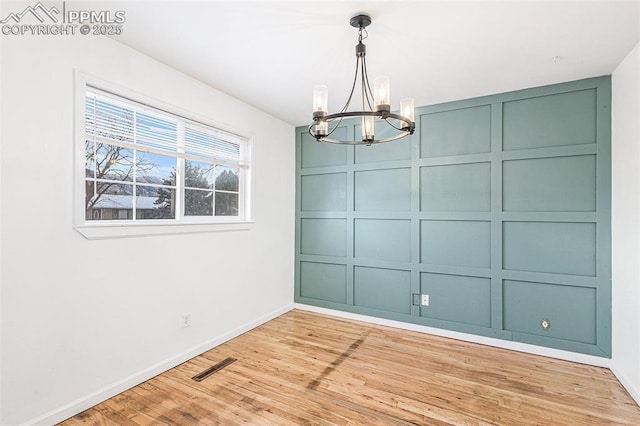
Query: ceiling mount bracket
point(360, 20)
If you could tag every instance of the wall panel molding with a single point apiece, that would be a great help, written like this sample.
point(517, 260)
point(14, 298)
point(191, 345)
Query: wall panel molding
point(497, 207)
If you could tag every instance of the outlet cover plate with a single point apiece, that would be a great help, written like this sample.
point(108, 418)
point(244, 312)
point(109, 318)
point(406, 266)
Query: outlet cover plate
point(186, 320)
point(424, 301)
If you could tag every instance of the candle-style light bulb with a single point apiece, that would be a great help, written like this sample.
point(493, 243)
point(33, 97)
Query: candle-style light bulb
point(368, 126)
point(381, 94)
point(322, 128)
point(407, 109)
point(320, 98)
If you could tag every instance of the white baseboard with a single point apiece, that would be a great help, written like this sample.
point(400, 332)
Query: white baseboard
point(626, 383)
point(505, 344)
point(59, 414)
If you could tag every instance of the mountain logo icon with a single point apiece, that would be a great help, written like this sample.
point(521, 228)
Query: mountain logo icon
point(38, 10)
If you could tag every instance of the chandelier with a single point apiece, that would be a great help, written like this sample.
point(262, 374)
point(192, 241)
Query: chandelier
point(375, 104)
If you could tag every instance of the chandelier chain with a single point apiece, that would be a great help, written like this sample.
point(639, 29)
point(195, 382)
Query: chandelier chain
point(360, 31)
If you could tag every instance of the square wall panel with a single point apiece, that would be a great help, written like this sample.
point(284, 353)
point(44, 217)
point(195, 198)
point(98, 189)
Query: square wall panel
point(324, 237)
point(384, 289)
point(456, 187)
point(455, 243)
point(550, 184)
point(554, 120)
point(456, 132)
point(550, 247)
point(383, 239)
point(457, 298)
point(383, 190)
point(570, 312)
point(325, 192)
point(393, 151)
point(322, 154)
point(323, 281)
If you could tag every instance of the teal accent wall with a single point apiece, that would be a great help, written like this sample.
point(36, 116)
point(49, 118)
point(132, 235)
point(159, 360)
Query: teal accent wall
point(497, 207)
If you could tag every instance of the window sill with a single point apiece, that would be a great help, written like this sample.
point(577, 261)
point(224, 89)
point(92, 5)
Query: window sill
point(112, 230)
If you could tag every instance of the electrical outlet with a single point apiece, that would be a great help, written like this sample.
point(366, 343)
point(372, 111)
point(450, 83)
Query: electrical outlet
point(425, 300)
point(186, 320)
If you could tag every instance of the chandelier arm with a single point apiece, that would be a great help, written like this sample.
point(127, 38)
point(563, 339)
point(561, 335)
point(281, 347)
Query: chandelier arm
point(366, 79)
point(328, 134)
point(353, 87)
point(329, 118)
point(362, 88)
point(335, 127)
point(392, 125)
point(411, 125)
point(365, 84)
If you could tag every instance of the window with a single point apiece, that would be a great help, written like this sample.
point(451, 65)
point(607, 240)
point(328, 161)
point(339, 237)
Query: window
point(143, 165)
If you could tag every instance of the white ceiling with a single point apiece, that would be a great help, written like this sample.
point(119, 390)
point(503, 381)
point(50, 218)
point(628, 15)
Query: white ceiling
point(271, 53)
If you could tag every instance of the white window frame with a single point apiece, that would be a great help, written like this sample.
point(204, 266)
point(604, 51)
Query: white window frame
point(96, 229)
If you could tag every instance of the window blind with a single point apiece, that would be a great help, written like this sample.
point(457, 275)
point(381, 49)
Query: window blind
point(134, 125)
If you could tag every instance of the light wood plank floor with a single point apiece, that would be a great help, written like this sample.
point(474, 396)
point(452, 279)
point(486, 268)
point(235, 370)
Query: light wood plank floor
point(306, 368)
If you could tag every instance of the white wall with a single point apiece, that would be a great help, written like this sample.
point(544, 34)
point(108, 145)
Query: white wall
point(2, 9)
point(82, 320)
point(625, 224)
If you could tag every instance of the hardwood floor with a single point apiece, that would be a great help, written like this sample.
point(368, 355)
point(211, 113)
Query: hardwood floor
point(306, 368)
